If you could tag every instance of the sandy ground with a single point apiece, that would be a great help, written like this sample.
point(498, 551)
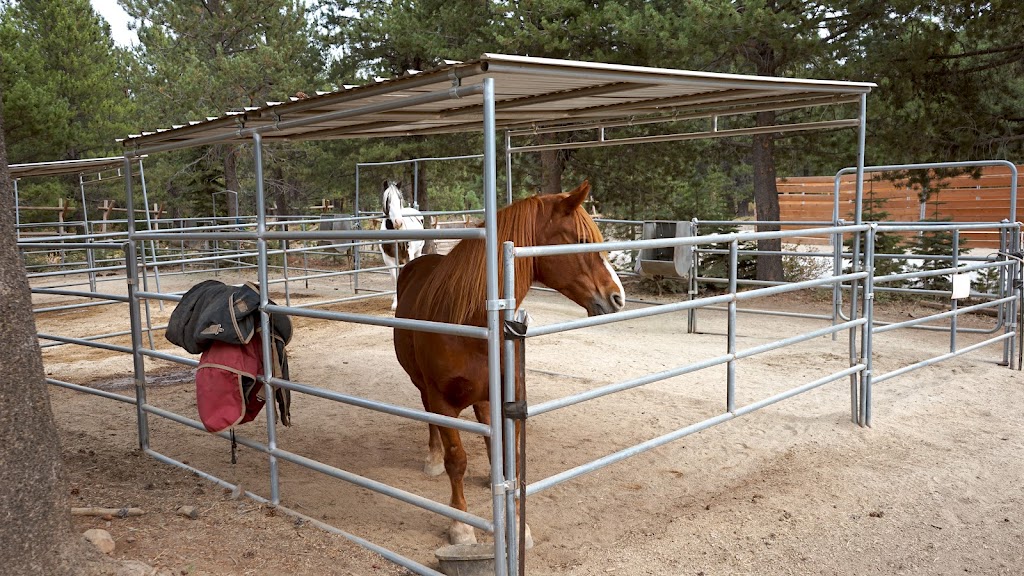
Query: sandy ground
point(796, 488)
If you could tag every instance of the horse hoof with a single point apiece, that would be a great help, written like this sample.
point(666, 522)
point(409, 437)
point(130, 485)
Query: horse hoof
point(461, 534)
point(433, 468)
point(529, 538)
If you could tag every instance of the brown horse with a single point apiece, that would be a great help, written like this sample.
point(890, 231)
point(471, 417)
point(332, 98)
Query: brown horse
point(451, 371)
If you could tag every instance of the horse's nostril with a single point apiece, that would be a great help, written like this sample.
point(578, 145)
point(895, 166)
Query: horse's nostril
point(618, 301)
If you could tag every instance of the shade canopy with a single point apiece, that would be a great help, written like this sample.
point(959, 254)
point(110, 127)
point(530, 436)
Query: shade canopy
point(530, 94)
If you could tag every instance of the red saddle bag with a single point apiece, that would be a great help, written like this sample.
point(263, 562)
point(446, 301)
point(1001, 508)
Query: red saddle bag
point(227, 393)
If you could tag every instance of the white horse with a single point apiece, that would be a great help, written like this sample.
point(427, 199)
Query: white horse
point(397, 217)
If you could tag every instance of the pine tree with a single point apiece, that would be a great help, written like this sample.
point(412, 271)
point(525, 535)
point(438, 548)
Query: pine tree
point(65, 91)
point(204, 59)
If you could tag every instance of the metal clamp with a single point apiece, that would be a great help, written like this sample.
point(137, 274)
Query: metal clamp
point(505, 487)
point(504, 304)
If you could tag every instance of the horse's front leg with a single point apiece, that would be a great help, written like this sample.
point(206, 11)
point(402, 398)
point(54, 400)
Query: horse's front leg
point(434, 464)
point(483, 416)
point(392, 265)
point(455, 466)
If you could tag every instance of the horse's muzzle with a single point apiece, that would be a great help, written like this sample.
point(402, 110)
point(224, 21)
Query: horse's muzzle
point(606, 305)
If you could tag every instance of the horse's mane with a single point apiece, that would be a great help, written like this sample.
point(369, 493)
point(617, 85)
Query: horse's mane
point(456, 290)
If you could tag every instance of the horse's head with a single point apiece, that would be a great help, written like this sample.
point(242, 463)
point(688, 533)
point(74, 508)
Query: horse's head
point(391, 199)
point(587, 278)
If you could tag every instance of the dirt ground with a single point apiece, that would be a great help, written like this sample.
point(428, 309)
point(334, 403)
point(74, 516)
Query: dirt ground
point(796, 488)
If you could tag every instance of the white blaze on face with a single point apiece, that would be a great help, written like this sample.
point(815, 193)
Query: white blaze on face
point(393, 206)
point(622, 291)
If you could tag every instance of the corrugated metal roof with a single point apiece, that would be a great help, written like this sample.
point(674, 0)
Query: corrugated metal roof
point(65, 167)
point(529, 93)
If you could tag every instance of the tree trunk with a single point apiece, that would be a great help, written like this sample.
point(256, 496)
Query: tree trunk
point(231, 178)
point(36, 537)
point(279, 189)
point(552, 165)
point(766, 198)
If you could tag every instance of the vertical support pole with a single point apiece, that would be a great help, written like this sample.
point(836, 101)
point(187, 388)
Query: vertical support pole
point(508, 168)
point(130, 207)
point(691, 314)
point(868, 331)
point(305, 259)
point(730, 386)
point(132, 276)
point(494, 330)
point(17, 210)
point(284, 264)
point(267, 335)
point(181, 245)
point(152, 243)
point(837, 254)
point(90, 260)
point(953, 302)
point(138, 360)
point(1013, 247)
point(511, 534)
point(415, 185)
point(855, 386)
point(356, 248)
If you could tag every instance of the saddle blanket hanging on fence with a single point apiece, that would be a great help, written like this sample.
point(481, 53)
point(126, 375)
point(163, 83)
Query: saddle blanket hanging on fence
point(221, 322)
point(227, 393)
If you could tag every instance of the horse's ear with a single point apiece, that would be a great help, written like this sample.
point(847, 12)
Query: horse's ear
point(575, 198)
point(385, 185)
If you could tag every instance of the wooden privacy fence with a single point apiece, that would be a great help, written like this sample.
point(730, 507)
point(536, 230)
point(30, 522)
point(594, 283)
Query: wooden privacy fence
point(959, 198)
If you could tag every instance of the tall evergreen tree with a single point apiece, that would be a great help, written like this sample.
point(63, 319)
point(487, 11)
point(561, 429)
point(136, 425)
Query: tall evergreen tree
point(65, 92)
point(204, 57)
point(951, 80)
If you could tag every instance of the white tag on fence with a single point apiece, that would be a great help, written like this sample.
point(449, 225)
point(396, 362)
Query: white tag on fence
point(961, 286)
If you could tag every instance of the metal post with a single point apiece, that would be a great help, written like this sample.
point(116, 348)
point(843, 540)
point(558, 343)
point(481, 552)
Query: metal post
point(730, 393)
point(132, 273)
point(152, 244)
point(953, 301)
point(837, 256)
point(305, 259)
point(869, 315)
point(855, 402)
point(17, 210)
point(508, 167)
point(691, 314)
point(415, 185)
point(181, 244)
point(494, 331)
point(267, 333)
point(512, 534)
point(90, 260)
point(356, 249)
point(130, 205)
point(284, 266)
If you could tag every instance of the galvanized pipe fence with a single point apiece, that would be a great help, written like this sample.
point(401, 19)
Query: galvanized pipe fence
point(858, 370)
